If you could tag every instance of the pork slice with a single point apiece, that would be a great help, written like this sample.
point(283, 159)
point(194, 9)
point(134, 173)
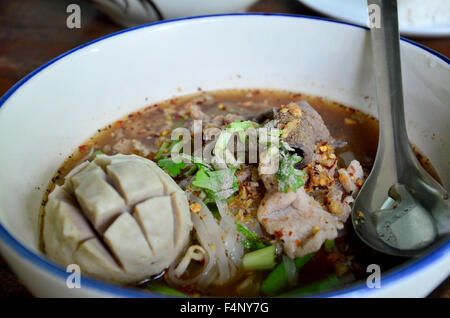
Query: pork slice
point(298, 221)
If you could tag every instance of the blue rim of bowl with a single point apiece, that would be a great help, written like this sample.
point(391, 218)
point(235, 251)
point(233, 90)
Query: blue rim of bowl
point(360, 289)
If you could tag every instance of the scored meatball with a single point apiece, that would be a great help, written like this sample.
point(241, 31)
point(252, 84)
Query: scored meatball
point(120, 218)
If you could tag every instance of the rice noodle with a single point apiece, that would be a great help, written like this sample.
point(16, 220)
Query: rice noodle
point(209, 271)
point(233, 238)
point(221, 244)
point(195, 252)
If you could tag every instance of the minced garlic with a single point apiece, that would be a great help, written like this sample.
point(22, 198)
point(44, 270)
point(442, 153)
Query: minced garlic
point(315, 230)
point(195, 207)
point(294, 110)
point(349, 121)
point(289, 127)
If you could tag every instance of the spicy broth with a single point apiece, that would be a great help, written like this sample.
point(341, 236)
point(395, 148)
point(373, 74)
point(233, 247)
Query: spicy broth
point(143, 132)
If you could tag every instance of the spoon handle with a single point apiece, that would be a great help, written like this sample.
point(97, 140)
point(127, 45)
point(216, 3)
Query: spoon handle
point(397, 160)
point(393, 144)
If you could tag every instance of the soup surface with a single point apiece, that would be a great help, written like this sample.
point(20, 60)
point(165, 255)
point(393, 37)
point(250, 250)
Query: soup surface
point(147, 133)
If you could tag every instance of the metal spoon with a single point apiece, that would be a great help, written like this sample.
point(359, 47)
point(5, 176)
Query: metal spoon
point(401, 210)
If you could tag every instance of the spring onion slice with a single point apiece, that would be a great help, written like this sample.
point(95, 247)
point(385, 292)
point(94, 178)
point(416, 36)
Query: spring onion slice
point(261, 259)
point(277, 279)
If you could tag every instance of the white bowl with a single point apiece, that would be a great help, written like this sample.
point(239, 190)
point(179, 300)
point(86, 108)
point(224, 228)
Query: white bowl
point(58, 106)
point(135, 12)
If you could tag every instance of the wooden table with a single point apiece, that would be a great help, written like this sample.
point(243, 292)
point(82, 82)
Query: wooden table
point(34, 31)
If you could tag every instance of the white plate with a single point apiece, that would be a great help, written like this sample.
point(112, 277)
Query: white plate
point(355, 11)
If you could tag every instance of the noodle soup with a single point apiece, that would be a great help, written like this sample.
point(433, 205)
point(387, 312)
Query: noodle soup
point(238, 230)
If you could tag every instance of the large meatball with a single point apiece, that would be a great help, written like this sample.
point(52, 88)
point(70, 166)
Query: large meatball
point(120, 218)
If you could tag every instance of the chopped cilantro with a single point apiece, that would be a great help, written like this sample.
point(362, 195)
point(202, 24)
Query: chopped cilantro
point(174, 168)
point(240, 127)
point(198, 162)
point(171, 167)
point(221, 150)
point(289, 178)
point(219, 184)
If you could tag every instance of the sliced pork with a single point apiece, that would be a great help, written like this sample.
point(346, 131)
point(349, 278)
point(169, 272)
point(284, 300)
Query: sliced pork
point(298, 221)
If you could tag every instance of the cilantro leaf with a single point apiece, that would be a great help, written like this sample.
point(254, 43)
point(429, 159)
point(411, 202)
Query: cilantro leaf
point(219, 184)
point(240, 127)
point(171, 167)
point(198, 162)
point(221, 150)
point(289, 178)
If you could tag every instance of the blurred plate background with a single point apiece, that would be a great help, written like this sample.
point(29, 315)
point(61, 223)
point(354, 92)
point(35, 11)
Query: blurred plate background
point(417, 18)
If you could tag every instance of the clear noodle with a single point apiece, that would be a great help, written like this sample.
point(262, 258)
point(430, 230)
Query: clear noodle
point(221, 243)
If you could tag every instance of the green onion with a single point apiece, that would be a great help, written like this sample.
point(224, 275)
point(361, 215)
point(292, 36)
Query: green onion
point(261, 259)
point(329, 245)
point(209, 199)
point(212, 206)
point(253, 245)
point(173, 143)
point(161, 150)
point(191, 171)
point(164, 290)
point(245, 231)
point(97, 152)
point(291, 270)
point(278, 280)
point(319, 286)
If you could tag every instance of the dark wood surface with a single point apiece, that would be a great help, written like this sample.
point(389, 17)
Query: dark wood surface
point(34, 31)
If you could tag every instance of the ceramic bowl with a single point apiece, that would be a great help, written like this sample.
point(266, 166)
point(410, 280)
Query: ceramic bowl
point(45, 116)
